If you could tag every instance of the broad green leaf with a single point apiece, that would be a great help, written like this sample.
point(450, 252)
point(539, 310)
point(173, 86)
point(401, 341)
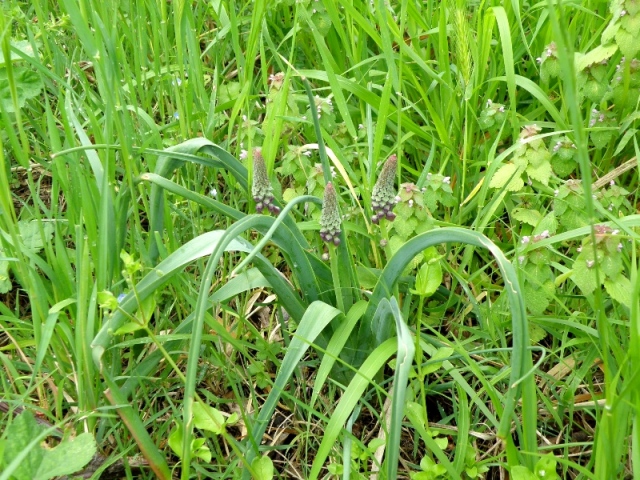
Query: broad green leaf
point(262, 468)
point(545, 468)
point(428, 279)
point(620, 290)
point(527, 215)
point(508, 176)
point(584, 274)
point(521, 473)
point(28, 85)
point(208, 418)
point(5, 281)
point(441, 354)
point(597, 55)
point(24, 46)
point(68, 457)
point(40, 463)
point(30, 233)
point(541, 172)
point(23, 428)
point(129, 327)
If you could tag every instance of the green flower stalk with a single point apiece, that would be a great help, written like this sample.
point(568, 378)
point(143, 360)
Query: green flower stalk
point(261, 189)
point(330, 219)
point(384, 196)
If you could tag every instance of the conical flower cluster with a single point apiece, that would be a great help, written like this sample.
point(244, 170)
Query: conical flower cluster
point(330, 218)
point(383, 198)
point(261, 189)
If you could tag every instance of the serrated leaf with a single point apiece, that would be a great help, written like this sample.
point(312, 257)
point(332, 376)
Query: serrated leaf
point(611, 265)
point(537, 299)
point(620, 290)
point(628, 43)
point(583, 275)
point(541, 172)
point(526, 215)
point(549, 223)
point(262, 468)
point(208, 418)
point(596, 55)
point(405, 227)
point(507, 175)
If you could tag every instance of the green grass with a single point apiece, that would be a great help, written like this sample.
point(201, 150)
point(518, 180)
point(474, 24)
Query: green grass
point(492, 327)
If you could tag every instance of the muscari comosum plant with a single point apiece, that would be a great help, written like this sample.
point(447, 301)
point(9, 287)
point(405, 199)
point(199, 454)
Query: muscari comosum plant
point(359, 332)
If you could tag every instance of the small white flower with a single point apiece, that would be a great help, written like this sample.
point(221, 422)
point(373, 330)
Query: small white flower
point(397, 199)
point(213, 193)
point(411, 203)
point(244, 118)
point(615, 232)
point(243, 154)
point(446, 180)
point(545, 234)
point(579, 249)
point(612, 183)
point(556, 192)
point(176, 115)
point(619, 247)
point(539, 60)
point(489, 103)
point(623, 13)
point(526, 239)
point(325, 256)
point(590, 263)
point(521, 259)
point(361, 127)
point(307, 153)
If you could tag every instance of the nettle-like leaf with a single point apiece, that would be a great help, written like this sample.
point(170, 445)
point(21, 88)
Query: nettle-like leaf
point(509, 177)
point(549, 64)
point(584, 272)
point(620, 289)
point(527, 215)
point(542, 172)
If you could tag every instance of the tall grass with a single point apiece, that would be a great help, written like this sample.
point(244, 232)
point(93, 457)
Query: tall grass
point(126, 169)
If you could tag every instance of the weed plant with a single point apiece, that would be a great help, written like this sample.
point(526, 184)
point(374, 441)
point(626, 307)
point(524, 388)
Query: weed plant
point(319, 239)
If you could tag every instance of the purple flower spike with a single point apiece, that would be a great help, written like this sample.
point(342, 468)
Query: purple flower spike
point(383, 197)
point(261, 190)
point(330, 218)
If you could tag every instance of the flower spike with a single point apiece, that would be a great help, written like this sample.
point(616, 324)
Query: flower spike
point(261, 189)
point(384, 197)
point(330, 217)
